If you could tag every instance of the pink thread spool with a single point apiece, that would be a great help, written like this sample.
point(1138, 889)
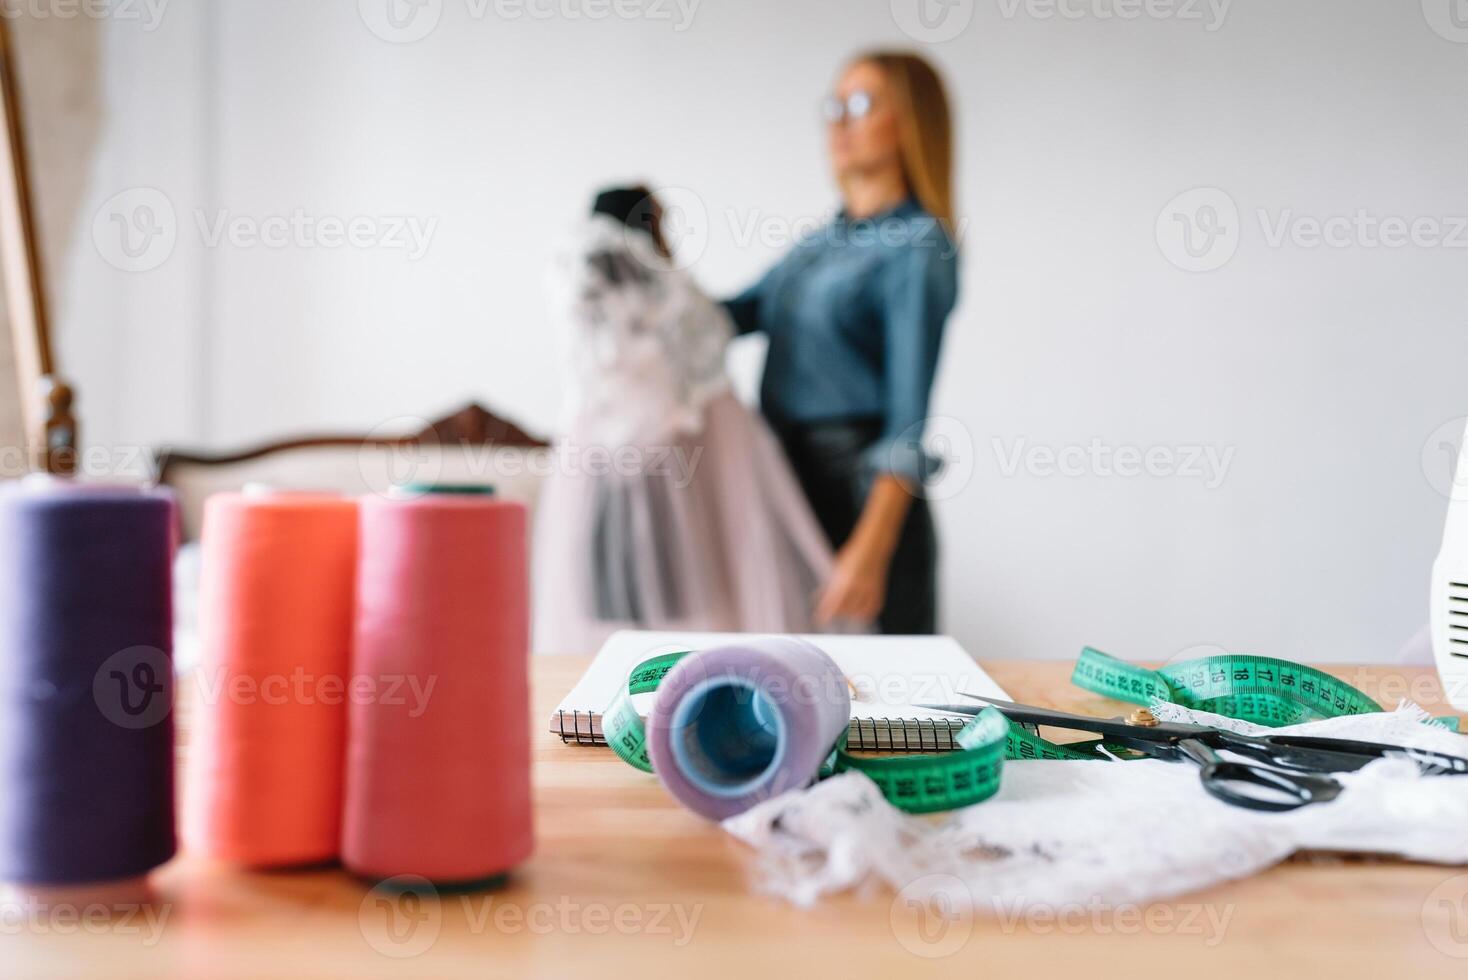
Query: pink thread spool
point(438, 756)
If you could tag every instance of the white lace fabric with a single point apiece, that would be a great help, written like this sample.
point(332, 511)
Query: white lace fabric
point(1059, 833)
point(643, 345)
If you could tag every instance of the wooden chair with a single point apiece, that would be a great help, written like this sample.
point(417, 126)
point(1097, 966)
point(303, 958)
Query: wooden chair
point(46, 400)
point(472, 445)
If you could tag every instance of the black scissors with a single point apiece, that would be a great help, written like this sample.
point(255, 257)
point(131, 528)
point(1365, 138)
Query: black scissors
point(1295, 770)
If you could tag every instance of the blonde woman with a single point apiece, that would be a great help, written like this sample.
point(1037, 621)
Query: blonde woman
point(855, 316)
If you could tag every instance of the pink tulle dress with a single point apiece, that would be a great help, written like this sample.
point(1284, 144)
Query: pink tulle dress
point(670, 504)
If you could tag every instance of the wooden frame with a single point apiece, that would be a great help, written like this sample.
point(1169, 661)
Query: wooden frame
point(473, 425)
point(46, 401)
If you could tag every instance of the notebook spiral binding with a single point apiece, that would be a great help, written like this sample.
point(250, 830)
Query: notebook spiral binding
point(863, 735)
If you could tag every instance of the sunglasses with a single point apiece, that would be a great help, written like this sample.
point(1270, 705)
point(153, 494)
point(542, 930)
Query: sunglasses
point(836, 110)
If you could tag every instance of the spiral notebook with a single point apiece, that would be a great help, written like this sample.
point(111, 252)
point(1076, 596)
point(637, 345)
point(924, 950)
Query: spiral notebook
point(888, 673)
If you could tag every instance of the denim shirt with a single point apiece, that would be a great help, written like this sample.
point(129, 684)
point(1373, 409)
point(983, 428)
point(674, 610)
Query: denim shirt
point(855, 315)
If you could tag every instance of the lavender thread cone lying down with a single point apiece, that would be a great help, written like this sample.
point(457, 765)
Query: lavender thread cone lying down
point(736, 725)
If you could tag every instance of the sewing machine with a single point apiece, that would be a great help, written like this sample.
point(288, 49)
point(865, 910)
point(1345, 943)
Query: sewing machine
point(1450, 591)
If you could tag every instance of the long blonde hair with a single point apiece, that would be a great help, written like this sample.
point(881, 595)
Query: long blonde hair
point(925, 129)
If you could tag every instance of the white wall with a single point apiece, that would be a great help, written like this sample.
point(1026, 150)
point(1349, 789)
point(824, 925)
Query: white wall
point(128, 329)
point(1323, 371)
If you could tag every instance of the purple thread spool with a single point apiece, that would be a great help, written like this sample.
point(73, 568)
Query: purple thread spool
point(86, 683)
point(736, 725)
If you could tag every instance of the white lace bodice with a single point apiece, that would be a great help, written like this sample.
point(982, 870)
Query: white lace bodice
point(643, 346)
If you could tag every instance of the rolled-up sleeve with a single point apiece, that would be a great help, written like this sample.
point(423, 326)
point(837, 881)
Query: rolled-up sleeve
point(918, 291)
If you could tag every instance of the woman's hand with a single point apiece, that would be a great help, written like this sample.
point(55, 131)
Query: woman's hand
point(858, 586)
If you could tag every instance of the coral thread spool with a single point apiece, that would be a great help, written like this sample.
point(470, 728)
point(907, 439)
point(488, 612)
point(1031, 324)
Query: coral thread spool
point(264, 787)
point(438, 774)
point(86, 683)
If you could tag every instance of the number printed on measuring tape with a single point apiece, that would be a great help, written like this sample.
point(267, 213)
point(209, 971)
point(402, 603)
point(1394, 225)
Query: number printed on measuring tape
point(621, 725)
point(1261, 690)
point(931, 783)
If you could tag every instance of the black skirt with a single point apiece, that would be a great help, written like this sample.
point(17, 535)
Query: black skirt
point(828, 459)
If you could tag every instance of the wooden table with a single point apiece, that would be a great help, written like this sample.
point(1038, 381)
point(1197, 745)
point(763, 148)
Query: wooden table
point(625, 883)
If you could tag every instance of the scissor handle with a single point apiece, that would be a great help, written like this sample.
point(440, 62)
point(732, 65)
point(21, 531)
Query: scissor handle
point(1284, 754)
point(1223, 779)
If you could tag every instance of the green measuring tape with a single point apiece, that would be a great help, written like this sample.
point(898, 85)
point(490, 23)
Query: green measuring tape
point(621, 724)
point(1261, 690)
